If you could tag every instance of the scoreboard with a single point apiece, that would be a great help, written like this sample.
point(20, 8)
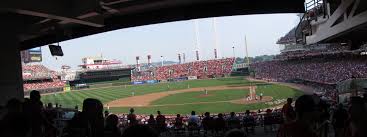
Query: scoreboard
point(31, 55)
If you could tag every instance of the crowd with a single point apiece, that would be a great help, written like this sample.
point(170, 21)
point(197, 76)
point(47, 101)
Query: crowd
point(201, 69)
point(325, 91)
point(39, 77)
point(308, 116)
point(46, 84)
point(312, 52)
point(329, 70)
point(35, 72)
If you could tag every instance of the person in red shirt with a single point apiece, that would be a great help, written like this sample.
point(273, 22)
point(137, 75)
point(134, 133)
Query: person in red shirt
point(132, 118)
point(161, 121)
point(288, 111)
point(307, 112)
point(178, 122)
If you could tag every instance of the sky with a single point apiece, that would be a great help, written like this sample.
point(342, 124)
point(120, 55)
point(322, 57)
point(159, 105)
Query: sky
point(169, 39)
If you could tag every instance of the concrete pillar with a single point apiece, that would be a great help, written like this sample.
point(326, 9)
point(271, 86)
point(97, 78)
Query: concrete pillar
point(11, 81)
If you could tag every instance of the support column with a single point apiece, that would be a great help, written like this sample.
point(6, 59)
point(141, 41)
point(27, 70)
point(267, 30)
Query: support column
point(11, 81)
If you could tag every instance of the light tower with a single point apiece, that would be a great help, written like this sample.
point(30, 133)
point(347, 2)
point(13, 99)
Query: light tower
point(179, 58)
point(162, 61)
point(138, 63)
point(197, 42)
point(216, 41)
point(149, 60)
point(247, 58)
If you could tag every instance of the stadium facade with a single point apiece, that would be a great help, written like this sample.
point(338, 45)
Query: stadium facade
point(319, 52)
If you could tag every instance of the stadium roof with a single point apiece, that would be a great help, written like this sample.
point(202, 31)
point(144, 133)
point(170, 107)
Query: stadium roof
point(58, 20)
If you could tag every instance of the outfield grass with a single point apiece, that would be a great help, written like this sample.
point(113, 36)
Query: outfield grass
point(193, 97)
point(276, 91)
point(107, 94)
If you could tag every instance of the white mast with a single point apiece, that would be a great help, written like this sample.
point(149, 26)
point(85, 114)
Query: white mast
point(196, 29)
point(248, 61)
point(216, 43)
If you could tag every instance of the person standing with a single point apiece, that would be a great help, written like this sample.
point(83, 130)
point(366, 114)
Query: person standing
point(307, 114)
point(161, 122)
point(288, 111)
point(261, 96)
point(131, 118)
point(178, 122)
point(193, 123)
point(339, 120)
point(151, 121)
point(233, 121)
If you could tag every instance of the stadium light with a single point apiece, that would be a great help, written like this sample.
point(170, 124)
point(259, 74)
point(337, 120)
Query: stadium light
point(162, 60)
point(234, 55)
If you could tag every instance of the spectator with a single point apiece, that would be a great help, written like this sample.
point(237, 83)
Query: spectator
point(249, 121)
point(357, 115)
point(193, 119)
point(339, 120)
point(36, 113)
point(207, 123)
point(178, 122)
point(90, 121)
point(193, 123)
point(288, 111)
point(161, 122)
point(220, 123)
point(106, 113)
point(233, 121)
point(151, 121)
point(132, 117)
point(307, 113)
point(201, 69)
point(15, 123)
point(111, 129)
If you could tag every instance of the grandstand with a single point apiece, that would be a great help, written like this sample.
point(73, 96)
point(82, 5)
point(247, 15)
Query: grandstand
point(316, 57)
point(96, 70)
point(197, 70)
point(38, 77)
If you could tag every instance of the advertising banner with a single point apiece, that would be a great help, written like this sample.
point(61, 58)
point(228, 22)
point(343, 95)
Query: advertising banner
point(137, 82)
point(192, 77)
point(151, 81)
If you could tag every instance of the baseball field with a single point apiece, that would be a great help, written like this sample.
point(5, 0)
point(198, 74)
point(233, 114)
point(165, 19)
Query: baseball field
point(213, 95)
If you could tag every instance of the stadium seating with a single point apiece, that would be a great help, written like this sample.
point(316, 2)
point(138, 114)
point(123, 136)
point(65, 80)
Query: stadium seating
point(321, 70)
point(322, 73)
point(201, 69)
point(39, 77)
